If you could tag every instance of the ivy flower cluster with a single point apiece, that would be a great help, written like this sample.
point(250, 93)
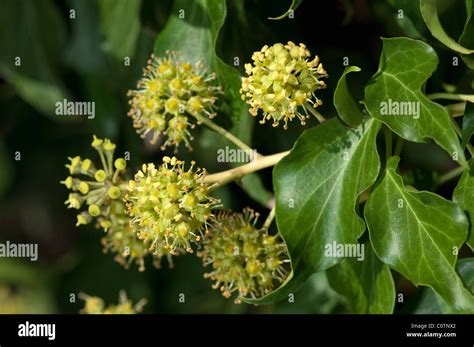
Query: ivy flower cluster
point(96, 305)
point(99, 193)
point(244, 258)
point(168, 210)
point(170, 206)
point(282, 80)
point(168, 93)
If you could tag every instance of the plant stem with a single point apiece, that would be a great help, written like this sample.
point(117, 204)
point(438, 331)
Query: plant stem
point(451, 96)
point(269, 219)
point(398, 146)
point(450, 175)
point(315, 113)
point(228, 135)
point(456, 110)
point(104, 163)
point(224, 177)
point(388, 143)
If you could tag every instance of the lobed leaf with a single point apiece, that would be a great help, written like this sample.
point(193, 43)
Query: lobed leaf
point(464, 196)
point(404, 67)
point(367, 285)
point(418, 234)
point(431, 303)
point(317, 187)
point(429, 10)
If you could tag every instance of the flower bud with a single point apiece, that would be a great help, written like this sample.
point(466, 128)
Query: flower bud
point(94, 210)
point(120, 164)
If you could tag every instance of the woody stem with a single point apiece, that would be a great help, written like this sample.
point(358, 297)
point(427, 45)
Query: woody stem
point(315, 113)
point(269, 219)
point(262, 162)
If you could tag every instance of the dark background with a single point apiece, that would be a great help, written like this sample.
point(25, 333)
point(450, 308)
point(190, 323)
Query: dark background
point(70, 56)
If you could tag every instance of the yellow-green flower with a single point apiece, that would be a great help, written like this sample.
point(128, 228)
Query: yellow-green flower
point(282, 81)
point(11, 302)
point(169, 92)
point(121, 239)
point(244, 258)
point(95, 305)
point(169, 205)
point(98, 192)
point(94, 189)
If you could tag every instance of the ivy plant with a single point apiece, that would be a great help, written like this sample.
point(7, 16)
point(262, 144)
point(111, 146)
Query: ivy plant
point(341, 202)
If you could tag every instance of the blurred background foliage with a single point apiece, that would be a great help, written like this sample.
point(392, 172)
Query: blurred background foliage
point(75, 49)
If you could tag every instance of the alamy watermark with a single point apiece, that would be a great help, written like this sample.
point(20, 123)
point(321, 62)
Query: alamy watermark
point(28, 329)
point(231, 155)
point(400, 108)
point(345, 250)
point(75, 108)
point(19, 250)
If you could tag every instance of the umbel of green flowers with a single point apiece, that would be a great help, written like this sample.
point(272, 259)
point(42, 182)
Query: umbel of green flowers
point(244, 259)
point(99, 193)
point(169, 205)
point(282, 82)
point(168, 93)
point(96, 305)
point(94, 188)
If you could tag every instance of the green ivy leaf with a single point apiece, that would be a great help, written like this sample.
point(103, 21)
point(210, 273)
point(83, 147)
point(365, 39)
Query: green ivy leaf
point(83, 50)
point(467, 123)
point(467, 37)
point(294, 5)
point(418, 234)
point(431, 303)
point(412, 22)
point(120, 24)
point(469, 12)
point(429, 11)
point(195, 36)
point(464, 196)
point(40, 94)
point(405, 65)
point(317, 187)
point(346, 106)
point(39, 35)
point(367, 284)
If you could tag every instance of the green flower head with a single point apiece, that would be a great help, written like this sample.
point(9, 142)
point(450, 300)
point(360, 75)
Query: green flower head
point(170, 206)
point(99, 191)
point(96, 305)
point(168, 94)
point(121, 239)
point(95, 188)
point(282, 81)
point(244, 258)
